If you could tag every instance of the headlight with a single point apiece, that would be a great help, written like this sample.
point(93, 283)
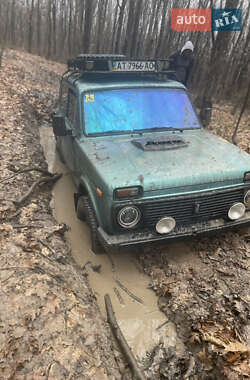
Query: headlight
point(165, 225)
point(247, 199)
point(247, 177)
point(129, 216)
point(236, 211)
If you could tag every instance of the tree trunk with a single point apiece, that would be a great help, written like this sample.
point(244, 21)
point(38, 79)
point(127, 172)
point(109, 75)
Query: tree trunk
point(162, 29)
point(136, 28)
point(6, 29)
point(152, 42)
point(219, 51)
point(30, 32)
point(100, 24)
point(38, 38)
point(13, 23)
point(130, 27)
point(81, 18)
point(54, 27)
point(87, 25)
point(69, 29)
point(49, 27)
point(120, 25)
point(114, 31)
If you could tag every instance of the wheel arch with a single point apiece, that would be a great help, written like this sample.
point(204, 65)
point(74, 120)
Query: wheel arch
point(85, 189)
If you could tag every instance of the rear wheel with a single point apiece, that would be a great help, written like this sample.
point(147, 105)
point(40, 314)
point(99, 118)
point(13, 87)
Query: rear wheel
point(85, 211)
point(59, 152)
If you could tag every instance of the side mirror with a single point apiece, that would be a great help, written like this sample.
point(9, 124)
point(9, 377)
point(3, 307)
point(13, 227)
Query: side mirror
point(206, 113)
point(59, 126)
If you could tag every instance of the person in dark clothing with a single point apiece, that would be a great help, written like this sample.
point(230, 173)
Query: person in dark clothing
point(182, 62)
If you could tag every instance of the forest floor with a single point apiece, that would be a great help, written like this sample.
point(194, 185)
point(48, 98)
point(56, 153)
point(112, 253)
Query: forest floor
point(50, 324)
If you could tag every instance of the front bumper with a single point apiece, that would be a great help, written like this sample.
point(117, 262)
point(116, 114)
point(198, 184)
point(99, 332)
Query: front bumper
point(136, 238)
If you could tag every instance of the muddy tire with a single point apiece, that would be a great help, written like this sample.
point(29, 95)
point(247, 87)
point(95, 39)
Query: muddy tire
point(85, 211)
point(81, 208)
point(59, 153)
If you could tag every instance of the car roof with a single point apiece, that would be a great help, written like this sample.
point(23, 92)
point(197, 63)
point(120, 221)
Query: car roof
point(116, 81)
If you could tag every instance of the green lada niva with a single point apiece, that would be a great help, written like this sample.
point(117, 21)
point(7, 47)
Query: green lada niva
point(144, 168)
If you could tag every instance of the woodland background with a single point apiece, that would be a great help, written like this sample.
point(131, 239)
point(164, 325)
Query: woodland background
point(60, 29)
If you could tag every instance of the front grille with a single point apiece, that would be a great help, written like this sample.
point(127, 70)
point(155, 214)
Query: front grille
point(189, 209)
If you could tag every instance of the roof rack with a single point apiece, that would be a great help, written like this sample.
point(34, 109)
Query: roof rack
point(114, 64)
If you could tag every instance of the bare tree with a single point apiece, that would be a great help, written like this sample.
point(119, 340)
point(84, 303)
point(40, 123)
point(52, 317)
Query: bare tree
point(49, 28)
point(30, 32)
point(38, 38)
point(87, 25)
point(120, 24)
point(54, 27)
point(12, 23)
point(139, 28)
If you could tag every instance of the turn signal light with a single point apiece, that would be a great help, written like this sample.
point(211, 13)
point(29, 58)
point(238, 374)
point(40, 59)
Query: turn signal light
point(128, 192)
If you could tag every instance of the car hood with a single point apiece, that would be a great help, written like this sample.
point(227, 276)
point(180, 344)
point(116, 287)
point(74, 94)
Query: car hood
point(206, 159)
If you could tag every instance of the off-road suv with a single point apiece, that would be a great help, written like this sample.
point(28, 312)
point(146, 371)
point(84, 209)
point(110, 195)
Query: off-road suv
point(145, 169)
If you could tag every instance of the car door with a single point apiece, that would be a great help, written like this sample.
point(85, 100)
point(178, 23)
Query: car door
point(69, 109)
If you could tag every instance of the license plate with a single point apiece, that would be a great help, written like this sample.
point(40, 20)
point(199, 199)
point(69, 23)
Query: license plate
point(134, 66)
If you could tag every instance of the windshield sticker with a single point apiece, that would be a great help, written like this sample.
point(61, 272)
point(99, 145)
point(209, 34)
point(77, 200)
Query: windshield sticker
point(89, 98)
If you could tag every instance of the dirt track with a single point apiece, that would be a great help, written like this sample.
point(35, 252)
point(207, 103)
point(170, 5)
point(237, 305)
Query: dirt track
point(202, 286)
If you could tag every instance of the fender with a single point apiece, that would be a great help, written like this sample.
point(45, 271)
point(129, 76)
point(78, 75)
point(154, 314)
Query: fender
point(90, 190)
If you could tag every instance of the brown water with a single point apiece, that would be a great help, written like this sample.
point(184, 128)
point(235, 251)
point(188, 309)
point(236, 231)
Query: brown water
point(138, 321)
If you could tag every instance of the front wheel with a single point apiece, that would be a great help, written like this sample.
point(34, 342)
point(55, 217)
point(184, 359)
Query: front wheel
point(81, 208)
point(85, 211)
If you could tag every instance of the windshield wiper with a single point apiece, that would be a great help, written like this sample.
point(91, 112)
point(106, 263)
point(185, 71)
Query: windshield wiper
point(136, 131)
point(159, 129)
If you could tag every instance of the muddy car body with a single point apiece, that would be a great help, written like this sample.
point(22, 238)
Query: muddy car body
point(145, 169)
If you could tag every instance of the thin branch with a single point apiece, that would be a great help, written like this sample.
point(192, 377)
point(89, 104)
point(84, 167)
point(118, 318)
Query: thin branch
point(137, 299)
point(118, 295)
point(46, 246)
point(162, 325)
point(121, 339)
point(27, 226)
point(190, 368)
point(34, 185)
point(26, 170)
point(37, 270)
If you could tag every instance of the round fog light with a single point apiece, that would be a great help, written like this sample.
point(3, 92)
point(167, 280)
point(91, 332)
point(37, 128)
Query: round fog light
point(165, 225)
point(236, 211)
point(247, 199)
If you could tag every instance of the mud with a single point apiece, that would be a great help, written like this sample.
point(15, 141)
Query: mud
point(139, 318)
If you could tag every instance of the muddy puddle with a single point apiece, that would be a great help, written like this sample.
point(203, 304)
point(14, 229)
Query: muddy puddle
point(117, 274)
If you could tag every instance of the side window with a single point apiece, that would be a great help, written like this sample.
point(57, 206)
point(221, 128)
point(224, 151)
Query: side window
point(72, 110)
point(63, 98)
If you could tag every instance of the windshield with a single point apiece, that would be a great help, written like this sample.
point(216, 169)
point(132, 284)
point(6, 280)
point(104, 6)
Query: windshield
point(137, 110)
